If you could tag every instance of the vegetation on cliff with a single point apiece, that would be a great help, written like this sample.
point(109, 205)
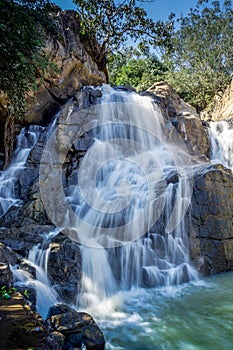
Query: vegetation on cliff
point(200, 55)
point(114, 23)
point(22, 40)
point(195, 50)
point(137, 68)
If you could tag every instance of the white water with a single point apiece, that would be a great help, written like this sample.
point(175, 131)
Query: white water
point(221, 136)
point(38, 257)
point(121, 193)
point(9, 179)
point(194, 316)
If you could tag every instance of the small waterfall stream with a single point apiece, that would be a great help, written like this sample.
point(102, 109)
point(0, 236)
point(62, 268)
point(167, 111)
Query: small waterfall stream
point(9, 186)
point(221, 136)
point(46, 295)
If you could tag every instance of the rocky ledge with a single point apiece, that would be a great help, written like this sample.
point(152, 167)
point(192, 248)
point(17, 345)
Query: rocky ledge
point(65, 328)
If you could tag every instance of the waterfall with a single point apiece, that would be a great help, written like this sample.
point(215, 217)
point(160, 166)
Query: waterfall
point(126, 201)
point(9, 179)
point(133, 191)
point(221, 136)
point(38, 257)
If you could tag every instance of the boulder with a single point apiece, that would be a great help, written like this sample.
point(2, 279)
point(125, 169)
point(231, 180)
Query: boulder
point(21, 328)
point(171, 102)
point(185, 119)
point(78, 328)
point(211, 235)
point(6, 278)
point(7, 258)
point(64, 267)
point(22, 239)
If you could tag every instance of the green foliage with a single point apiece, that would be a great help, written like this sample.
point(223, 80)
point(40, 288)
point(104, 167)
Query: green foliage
point(135, 68)
point(26, 293)
point(5, 292)
point(22, 40)
point(113, 23)
point(200, 61)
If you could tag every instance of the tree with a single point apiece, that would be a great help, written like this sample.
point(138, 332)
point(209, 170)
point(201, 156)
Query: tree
point(23, 62)
point(22, 57)
point(135, 68)
point(200, 60)
point(113, 23)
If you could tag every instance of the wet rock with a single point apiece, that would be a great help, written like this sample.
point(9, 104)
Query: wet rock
point(7, 255)
point(7, 258)
point(64, 267)
point(194, 135)
point(21, 328)
point(22, 239)
point(126, 88)
point(79, 328)
point(86, 97)
point(56, 341)
point(6, 278)
point(211, 235)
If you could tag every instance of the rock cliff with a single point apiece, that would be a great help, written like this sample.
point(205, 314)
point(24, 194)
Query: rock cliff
point(74, 68)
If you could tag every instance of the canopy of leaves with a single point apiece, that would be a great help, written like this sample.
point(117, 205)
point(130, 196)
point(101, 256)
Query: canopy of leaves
point(113, 23)
point(201, 59)
point(137, 69)
point(21, 41)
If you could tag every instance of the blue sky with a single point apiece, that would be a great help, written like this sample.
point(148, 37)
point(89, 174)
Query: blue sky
point(158, 9)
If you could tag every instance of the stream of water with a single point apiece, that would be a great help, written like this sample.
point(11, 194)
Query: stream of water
point(9, 179)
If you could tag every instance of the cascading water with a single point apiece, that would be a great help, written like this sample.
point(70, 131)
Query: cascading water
point(46, 295)
point(133, 191)
point(9, 179)
point(129, 195)
point(221, 136)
